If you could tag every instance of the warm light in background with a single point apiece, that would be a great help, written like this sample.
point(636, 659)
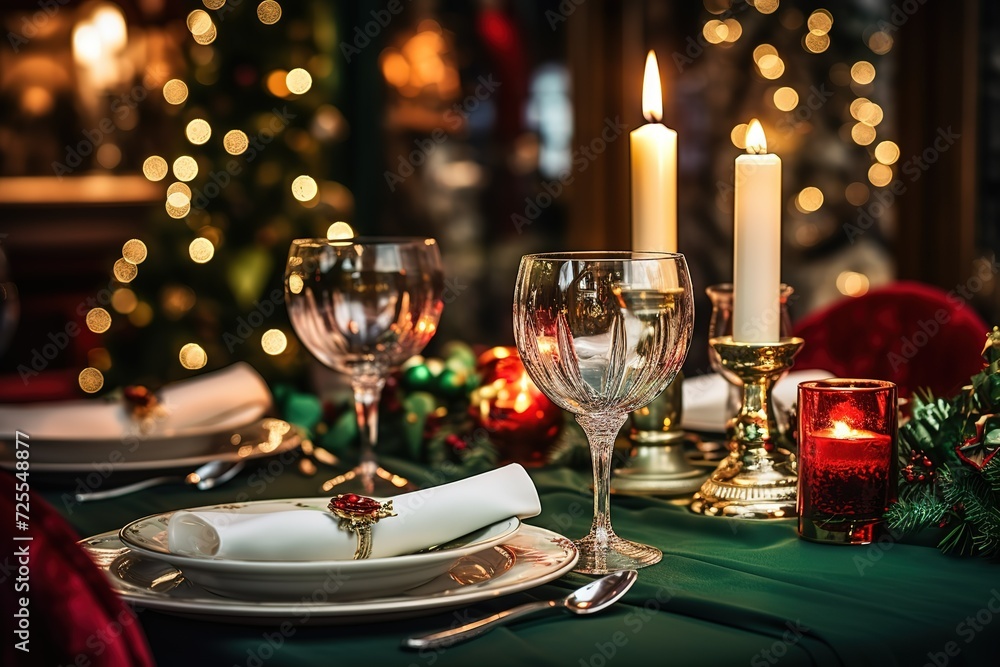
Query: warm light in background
point(887, 152)
point(739, 136)
point(763, 50)
point(274, 342)
point(715, 31)
point(809, 199)
point(815, 42)
point(134, 251)
point(820, 22)
point(193, 356)
point(269, 12)
point(863, 72)
point(125, 271)
point(198, 131)
point(304, 188)
point(857, 193)
point(123, 300)
point(175, 91)
point(652, 94)
point(235, 142)
point(339, 231)
point(771, 66)
point(154, 168)
point(91, 380)
point(786, 98)
point(879, 174)
point(98, 320)
point(852, 283)
point(185, 168)
point(201, 250)
point(298, 81)
point(862, 134)
point(766, 6)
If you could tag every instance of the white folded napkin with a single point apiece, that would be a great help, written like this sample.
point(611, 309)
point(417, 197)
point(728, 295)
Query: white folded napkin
point(705, 398)
point(227, 398)
point(273, 532)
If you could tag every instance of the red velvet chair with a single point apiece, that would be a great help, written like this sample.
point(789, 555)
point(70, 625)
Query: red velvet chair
point(911, 334)
point(73, 616)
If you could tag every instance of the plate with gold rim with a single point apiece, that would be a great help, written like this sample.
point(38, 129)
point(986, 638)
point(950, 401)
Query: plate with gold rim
point(531, 557)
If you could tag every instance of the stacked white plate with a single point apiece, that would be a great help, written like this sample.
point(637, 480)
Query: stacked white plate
point(503, 558)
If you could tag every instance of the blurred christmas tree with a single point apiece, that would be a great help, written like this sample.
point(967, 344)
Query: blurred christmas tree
point(254, 166)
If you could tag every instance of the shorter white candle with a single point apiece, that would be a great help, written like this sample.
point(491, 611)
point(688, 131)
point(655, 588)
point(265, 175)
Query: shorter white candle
point(757, 254)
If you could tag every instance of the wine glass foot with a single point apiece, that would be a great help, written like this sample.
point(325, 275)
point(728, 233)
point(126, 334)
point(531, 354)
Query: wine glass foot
point(613, 555)
point(380, 482)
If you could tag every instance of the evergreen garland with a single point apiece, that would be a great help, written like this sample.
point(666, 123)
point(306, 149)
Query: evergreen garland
point(950, 470)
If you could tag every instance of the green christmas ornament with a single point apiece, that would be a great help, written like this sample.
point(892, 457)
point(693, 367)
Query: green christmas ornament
point(418, 378)
point(458, 353)
point(452, 383)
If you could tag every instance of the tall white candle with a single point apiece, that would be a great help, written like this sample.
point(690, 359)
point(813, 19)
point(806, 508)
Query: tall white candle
point(757, 256)
point(654, 171)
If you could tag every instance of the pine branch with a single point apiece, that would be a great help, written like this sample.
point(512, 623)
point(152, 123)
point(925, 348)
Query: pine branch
point(981, 510)
point(916, 512)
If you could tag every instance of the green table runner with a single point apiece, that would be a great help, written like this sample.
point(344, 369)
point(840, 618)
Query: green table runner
point(727, 592)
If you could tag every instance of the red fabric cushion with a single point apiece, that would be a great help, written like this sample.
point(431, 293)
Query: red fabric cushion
point(72, 611)
point(911, 334)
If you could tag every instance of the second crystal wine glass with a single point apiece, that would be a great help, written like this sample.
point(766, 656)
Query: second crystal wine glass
point(363, 306)
point(601, 334)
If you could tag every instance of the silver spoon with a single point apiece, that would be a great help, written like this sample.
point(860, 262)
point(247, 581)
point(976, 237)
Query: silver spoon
point(203, 478)
point(593, 597)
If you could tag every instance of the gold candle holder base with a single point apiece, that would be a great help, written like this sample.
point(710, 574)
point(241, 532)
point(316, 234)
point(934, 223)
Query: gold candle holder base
point(657, 466)
point(758, 480)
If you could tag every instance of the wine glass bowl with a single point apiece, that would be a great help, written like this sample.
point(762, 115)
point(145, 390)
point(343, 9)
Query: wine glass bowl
point(602, 334)
point(362, 306)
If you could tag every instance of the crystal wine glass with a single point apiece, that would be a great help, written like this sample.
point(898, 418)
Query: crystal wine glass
point(362, 306)
point(602, 334)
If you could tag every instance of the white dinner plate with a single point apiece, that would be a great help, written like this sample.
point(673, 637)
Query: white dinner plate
point(290, 580)
point(261, 438)
point(531, 557)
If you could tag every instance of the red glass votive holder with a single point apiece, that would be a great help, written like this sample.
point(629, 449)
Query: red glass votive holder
point(847, 459)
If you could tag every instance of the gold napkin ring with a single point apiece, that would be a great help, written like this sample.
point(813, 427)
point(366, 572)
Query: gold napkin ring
point(357, 515)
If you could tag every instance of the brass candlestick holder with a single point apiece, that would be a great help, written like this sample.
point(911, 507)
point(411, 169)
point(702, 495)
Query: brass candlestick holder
point(657, 466)
point(758, 479)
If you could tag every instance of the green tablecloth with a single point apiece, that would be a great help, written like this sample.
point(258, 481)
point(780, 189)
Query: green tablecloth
point(727, 592)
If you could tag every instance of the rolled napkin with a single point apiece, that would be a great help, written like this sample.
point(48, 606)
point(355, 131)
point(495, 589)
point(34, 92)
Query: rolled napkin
point(228, 398)
point(705, 398)
point(273, 532)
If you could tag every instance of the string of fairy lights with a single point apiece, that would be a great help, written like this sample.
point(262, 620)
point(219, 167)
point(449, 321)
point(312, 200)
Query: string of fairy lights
point(177, 203)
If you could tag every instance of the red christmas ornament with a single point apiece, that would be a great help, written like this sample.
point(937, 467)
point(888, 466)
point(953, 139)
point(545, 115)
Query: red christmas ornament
point(520, 420)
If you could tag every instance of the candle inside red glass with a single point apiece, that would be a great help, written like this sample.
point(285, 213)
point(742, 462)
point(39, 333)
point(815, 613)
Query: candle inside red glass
point(847, 459)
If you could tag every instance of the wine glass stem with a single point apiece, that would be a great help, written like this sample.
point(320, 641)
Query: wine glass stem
point(367, 392)
point(601, 430)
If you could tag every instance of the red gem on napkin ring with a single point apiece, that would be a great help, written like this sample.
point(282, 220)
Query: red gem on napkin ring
point(357, 515)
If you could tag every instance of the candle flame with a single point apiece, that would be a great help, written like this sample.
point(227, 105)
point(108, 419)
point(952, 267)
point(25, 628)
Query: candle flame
point(652, 95)
point(841, 430)
point(756, 141)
